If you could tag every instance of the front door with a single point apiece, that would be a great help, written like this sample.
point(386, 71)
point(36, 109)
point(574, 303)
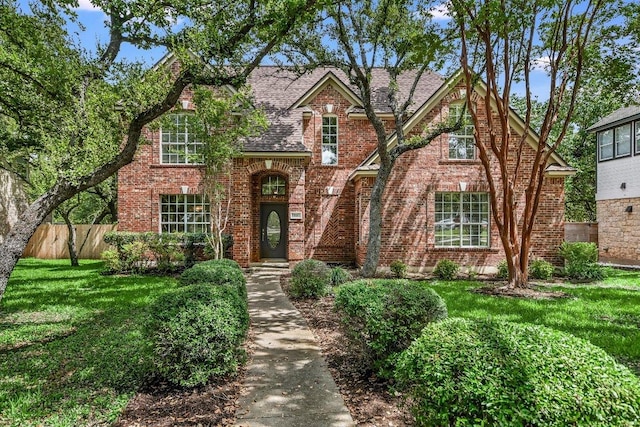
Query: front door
point(273, 230)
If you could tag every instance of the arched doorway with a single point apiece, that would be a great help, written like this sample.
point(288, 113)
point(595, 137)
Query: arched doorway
point(273, 226)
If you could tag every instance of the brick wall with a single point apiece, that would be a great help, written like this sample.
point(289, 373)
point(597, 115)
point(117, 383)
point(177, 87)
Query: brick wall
point(619, 231)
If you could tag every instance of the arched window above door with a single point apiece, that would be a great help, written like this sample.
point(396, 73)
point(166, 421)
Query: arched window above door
point(274, 185)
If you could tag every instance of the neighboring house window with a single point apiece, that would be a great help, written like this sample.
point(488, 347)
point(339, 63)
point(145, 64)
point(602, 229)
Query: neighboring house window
point(637, 126)
point(184, 213)
point(462, 220)
point(273, 185)
point(462, 142)
point(614, 143)
point(179, 143)
point(329, 140)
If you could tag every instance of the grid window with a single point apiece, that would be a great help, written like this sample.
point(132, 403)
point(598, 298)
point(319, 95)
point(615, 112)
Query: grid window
point(184, 213)
point(179, 143)
point(462, 220)
point(329, 140)
point(462, 142)
point(273, 185)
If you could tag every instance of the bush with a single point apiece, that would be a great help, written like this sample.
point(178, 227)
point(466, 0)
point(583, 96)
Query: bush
point(383, 317)
point(399, 269)
point(446, 270)
point(217, 272)
point(503, 270)
point(309, 279)
point(486, 372)
point(111, 260)
point(197, 332)
point(540, 269)
point(339, 276)
point(581, 261)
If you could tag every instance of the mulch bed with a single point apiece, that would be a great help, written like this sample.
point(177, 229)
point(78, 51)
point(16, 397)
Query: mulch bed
point(367, 396)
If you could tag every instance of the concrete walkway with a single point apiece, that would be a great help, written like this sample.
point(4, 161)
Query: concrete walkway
point(287, 382)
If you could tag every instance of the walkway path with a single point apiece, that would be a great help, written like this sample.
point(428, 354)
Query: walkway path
point(287, 382)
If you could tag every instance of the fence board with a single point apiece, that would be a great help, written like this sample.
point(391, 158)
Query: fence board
point(581, 232)
point(50, 241)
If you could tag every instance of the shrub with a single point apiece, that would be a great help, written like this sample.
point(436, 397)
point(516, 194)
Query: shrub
point(383, 317)
point(503, 270)
point(540, 269)
point(581, 261)
point(216, 272)
point(197, 332)
point(339, 276)
point(111, 260)
point(446, 270)
point(309, 279)
point(486, 372)
point(399, 269)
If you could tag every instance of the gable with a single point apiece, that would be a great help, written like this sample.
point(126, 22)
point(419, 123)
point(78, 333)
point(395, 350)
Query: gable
point(329, 79)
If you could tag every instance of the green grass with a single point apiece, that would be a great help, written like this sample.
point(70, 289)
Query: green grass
point(606, 313)
point(71, 346)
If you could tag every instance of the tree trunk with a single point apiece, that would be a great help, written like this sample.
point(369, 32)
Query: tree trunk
point(375, 221)
point(71, 240)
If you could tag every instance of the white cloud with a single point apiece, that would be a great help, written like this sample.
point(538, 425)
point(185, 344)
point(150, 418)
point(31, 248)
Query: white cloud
point(88, 6)
point(540, 64)
point(440, 11)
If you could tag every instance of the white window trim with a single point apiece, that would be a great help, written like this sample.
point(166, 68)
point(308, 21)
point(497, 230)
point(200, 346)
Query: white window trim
point(183, 145)
point(462, 136)
point(460, 224)
point(322, 143)
point(206, 211)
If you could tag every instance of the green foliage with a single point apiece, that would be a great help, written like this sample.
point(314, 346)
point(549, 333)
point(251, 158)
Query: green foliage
point(222, 272)
point(111, 260)
point(383, 317)
point(309, 279)
point(503, 270)
point(581, 261)
point(540, 269)
point(487, 372)
point(197, 332)
point(446, 270)
point(340, 276)
point(399, 269)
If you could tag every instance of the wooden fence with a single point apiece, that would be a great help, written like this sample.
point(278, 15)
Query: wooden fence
point(50, 241)
point(581, 232)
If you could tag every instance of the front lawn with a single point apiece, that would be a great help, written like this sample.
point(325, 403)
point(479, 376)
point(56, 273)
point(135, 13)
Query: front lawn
point(606, 313)
point(71, 348)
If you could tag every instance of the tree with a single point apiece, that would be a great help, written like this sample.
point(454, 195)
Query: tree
point(85, 112)
point(402, 38)
point(501, 41)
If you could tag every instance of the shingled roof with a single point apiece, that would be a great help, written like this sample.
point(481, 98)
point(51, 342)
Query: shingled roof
point(277, 90)
point(621, 115)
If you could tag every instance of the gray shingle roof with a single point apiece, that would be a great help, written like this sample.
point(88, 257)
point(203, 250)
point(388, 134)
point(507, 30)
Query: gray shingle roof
point(621, 115)
point(276, 90)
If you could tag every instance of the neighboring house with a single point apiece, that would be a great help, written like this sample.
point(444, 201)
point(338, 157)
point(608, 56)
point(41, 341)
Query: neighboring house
point(302, 189)
point(618, 186)
point(13, 200)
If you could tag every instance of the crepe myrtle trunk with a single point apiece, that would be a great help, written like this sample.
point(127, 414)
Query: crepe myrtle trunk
point(375, 221)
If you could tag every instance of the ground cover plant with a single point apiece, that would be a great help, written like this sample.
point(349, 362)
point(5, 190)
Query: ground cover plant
point(72, 350)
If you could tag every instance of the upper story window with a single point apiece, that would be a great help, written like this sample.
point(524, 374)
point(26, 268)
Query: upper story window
point(184, 213)
point(329, 140)
point(462, 220)
point(614, 143)
point(637, 127)
point(179, 144)
point(462, 142)
point(274, 185)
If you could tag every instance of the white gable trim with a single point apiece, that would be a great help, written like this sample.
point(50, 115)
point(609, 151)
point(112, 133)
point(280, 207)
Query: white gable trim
point(328, 79)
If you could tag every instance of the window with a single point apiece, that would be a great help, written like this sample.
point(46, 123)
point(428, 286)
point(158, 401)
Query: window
point(179, 143)
point(614, 143)
point(329, 140)
point(462, 220)
point(637, 127)
point(184, 213)
point(462, 142)
point(273, 185)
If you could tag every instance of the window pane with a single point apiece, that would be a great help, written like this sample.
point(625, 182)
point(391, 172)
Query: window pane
point(184, 212)
point(329, 148)
point(461, 142)
point(179, 144)
point(637, 127)
point(462, 219)
point(605, 144)
point(623, 140)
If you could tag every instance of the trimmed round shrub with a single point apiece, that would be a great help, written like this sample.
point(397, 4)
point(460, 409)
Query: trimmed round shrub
point(218, 272)
point(446, 270)
point(399, 269)
point(485, 372)
point(197, 332)
point(540, 269)
point(383, 317)
point(309, 279)
point(339, 276)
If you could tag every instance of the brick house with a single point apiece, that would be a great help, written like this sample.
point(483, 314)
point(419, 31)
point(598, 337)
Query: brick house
point(618, 185)
point(301, 190)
